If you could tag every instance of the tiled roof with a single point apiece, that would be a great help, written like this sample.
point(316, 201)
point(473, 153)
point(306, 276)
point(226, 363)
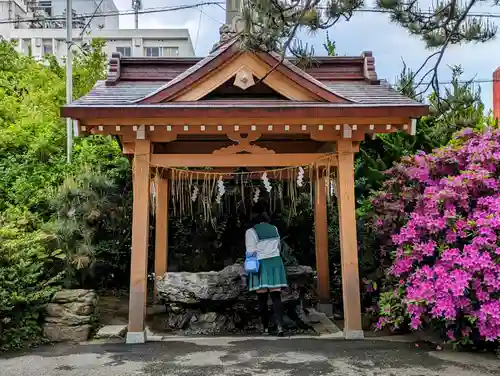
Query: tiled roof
point(123, 92)
point(364, 93)
point(128, 92)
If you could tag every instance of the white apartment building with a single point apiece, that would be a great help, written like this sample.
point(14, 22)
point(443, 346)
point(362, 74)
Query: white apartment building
point(39, 28)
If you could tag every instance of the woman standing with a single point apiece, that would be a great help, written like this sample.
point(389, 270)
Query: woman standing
point(264, 241)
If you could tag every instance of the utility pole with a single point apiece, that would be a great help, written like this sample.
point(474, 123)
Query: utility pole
point(233, 9)
point(136, 6)
point(69, 76)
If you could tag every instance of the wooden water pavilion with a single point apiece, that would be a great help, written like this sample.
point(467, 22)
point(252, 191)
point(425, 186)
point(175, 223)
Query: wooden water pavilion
point(237, 108)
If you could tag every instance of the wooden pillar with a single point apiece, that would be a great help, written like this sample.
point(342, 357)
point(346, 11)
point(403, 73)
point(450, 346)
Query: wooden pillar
point(140, 235)
point(348, 240)
point(161, 234)
point(321, 244)
point(496, 94)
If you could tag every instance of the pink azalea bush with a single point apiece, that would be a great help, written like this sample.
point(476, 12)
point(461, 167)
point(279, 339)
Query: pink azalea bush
point(439, 215)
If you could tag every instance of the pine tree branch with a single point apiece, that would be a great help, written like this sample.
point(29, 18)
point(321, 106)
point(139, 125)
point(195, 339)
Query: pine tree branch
point(290, 38)
point(434, 81)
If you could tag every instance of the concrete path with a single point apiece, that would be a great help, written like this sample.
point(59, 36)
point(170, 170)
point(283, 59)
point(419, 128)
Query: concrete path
point(246, 357)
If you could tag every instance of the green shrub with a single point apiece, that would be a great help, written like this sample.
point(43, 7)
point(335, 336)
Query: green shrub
point(92, 226)
point(28, 278)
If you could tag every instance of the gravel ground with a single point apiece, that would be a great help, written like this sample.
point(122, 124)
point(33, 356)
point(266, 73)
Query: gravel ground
point(246, 357)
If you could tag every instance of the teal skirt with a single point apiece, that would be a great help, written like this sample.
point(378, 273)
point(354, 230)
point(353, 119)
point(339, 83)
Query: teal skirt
point(271, 275)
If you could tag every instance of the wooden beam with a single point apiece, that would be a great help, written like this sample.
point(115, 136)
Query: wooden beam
point(140, 238)
point(236, 112)
point(228, 174)
point(348, 240)
point(208, 146)
point(128, 147)
point(161, 230)
point(321, 239)
point(241, 160)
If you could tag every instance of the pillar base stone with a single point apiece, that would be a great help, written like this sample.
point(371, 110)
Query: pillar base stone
point(326, 308)
point(353, 334)
point(135, 337)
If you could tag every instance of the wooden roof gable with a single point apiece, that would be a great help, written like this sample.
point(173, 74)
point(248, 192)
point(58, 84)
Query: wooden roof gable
point(228, 63)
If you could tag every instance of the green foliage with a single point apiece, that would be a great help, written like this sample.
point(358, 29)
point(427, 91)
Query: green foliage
point(275, 25)
point(89, 66)
point(32, 134)
point(29, 275)
point(329, 46)
point(460, 108)
point(196, 245)
point(41, 246)
point(392, 308)
point(91, 215)
point(448, 22)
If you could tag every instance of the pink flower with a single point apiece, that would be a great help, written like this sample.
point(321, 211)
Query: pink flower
point(440, 214)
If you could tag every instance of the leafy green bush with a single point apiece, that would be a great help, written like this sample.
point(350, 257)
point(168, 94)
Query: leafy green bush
point(32, 165)
point(92, 227)
point(29, 275)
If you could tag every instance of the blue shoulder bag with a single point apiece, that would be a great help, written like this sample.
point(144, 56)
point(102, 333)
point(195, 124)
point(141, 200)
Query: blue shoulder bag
point(251, 263)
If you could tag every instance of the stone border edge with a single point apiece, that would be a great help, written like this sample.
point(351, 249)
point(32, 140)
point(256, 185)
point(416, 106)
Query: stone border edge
point(135, 337)
point(354, 334)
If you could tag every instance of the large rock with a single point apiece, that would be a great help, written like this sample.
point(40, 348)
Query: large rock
point(71, 315)
point(191, 288)
point(227, 285)
point(219, 302)
point(62, 333)
point(77, 295)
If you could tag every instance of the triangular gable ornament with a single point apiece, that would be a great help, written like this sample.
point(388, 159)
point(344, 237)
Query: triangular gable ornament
point(244, 79)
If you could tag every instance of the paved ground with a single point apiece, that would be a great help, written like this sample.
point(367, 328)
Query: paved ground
point(247, 357)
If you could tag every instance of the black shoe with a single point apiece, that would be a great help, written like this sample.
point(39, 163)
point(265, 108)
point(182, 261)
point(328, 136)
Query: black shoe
point(280, 332)
point(264, 330)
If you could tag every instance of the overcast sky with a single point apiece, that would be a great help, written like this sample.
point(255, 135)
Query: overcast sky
point(389, 43)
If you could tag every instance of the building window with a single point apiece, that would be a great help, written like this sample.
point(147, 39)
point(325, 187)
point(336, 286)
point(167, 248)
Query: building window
point(46, 5)
point(161, 51)
point(124, 51)
point(170, 51)
point(27, 47)
point(47, 47)
point(152, 51)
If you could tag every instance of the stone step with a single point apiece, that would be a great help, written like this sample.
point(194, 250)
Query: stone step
point(321, 323)
point(112, 331)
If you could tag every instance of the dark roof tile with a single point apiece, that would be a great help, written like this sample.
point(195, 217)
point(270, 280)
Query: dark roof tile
point(365, 93)
point(123, 92)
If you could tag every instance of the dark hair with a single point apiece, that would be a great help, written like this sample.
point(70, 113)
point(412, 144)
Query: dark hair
point(259, 207)
point(260, 217)
point(259, 214)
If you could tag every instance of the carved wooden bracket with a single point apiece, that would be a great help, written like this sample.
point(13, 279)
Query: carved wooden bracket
point(243, 145)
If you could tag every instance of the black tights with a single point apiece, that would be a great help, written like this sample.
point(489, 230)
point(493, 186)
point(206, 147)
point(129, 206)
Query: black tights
point(277, 305)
